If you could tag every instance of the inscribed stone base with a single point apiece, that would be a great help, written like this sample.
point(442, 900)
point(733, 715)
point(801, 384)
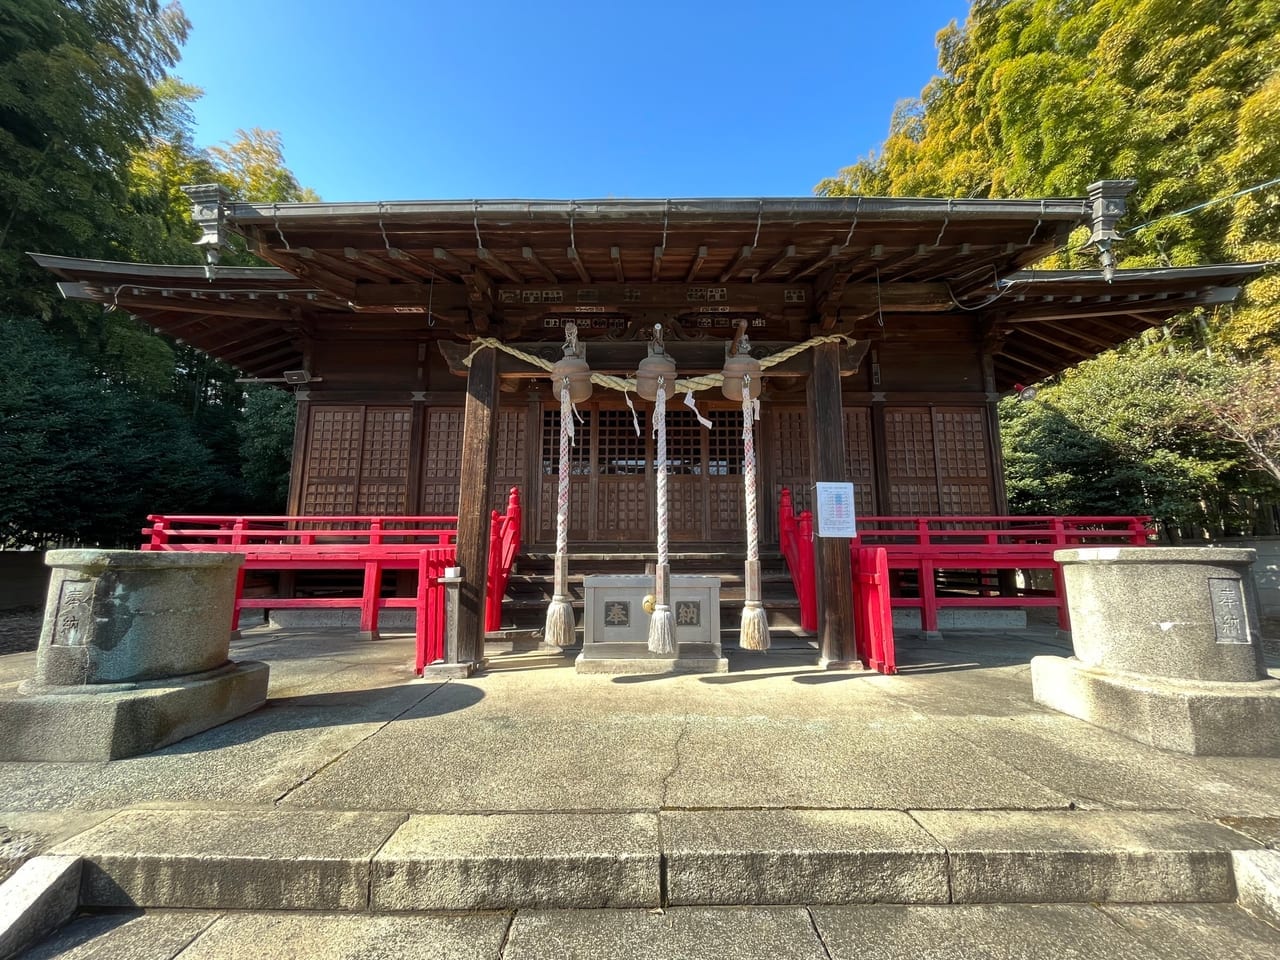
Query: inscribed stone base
point(1202, 717)
point(112, 721)
point(649, 665)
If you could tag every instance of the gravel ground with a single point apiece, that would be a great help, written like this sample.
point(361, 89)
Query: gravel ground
point(20, 629)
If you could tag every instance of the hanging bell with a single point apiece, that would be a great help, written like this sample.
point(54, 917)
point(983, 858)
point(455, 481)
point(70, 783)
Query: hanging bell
point(735, 368)
point(651, 368)
point(575, 370)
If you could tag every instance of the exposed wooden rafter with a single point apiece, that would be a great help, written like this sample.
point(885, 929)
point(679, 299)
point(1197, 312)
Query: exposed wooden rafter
point(534, 261)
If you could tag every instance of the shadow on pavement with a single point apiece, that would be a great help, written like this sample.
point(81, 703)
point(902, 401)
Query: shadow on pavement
point(341, 708)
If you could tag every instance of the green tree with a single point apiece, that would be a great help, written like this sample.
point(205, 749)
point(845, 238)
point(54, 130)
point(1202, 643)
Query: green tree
point(266, 446)
point(85, 461)
point(1125, 433)
point(1041, 97)
point(77, 97)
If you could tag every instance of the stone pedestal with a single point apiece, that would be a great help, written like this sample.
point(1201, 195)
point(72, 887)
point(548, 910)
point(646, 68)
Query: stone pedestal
point(1167, 650)
point(616, 626)
point(132, 657)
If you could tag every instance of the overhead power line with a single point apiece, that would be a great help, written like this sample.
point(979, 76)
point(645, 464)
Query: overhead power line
point(1201, 206)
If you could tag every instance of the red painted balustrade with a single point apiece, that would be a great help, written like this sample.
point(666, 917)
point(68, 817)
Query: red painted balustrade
point(984, 545)
point(367, 544)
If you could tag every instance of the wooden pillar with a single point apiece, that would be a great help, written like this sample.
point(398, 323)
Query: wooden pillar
point(831, 555)
point(479, 432)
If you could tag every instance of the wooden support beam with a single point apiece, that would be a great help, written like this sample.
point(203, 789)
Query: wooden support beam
point(532, 259)
point(430, 271)
point(335, 266)
point(831, 555)
point(489, 259)
point(615, 254)
point(698, 261)
point(1074, 349)
point(479, 433)
point(816, 265)
point(788, 253)
point(1099, 342)
point(456, 264)
point(310, 269)
point(247, 310)
point(572, 254)
point(383, 268)
point(693, 357)
point(743, 256)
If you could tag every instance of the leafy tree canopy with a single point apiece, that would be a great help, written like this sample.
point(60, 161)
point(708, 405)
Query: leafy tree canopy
point(78, 95)
point(1042, 97)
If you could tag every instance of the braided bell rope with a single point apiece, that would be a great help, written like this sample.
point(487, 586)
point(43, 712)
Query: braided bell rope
point(749, 472)
point(562, 497)
point(628, 384)
point(660, 467)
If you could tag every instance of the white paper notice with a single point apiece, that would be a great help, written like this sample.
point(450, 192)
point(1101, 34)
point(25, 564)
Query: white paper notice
point(835, 510)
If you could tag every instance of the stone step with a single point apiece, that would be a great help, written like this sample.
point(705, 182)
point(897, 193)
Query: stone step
point(384, 861)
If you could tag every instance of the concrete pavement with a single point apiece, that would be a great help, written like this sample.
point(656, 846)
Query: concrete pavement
point(530, 788)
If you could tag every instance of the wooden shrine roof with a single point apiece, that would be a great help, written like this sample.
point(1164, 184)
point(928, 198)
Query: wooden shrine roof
point(445, 269)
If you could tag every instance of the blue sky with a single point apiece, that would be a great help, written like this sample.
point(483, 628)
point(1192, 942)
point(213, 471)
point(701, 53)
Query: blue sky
point(400, 100)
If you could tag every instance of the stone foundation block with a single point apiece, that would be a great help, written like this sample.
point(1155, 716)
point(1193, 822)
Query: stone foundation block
point(1203, 717)
point(801, 857)
point(232, 859)
point(513, 861)
point(1081, 856)
point(111, 721)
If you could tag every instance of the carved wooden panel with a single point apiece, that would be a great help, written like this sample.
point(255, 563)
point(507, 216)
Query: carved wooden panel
point(939, 461)
point(580, 460)
point(686, 491)
point(909, 457)
point(441, 461)
point(859, 459)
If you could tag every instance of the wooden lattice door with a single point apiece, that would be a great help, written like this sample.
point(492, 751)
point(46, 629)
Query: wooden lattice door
point(357, 460)
point(938, 461)
point(612, 486)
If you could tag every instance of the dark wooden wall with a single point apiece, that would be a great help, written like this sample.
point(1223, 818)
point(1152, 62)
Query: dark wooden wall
point(381, 432)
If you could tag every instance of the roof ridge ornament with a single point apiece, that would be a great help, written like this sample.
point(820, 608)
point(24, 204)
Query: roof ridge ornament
point(1107, 203)
point(209, 213)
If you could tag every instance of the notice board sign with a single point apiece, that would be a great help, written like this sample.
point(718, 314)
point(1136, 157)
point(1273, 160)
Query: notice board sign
point(835, 510)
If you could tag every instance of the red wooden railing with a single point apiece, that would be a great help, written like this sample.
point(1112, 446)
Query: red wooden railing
point(927, 545)
point(504, 545)
point(795, 535)
point(371, 544)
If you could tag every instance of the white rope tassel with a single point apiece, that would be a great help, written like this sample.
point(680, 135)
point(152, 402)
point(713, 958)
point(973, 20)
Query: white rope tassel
point(560, 625)
point(662, 626)
point(754, 633)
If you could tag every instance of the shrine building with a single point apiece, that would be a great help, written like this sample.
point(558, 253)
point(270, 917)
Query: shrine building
point(405, 330)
